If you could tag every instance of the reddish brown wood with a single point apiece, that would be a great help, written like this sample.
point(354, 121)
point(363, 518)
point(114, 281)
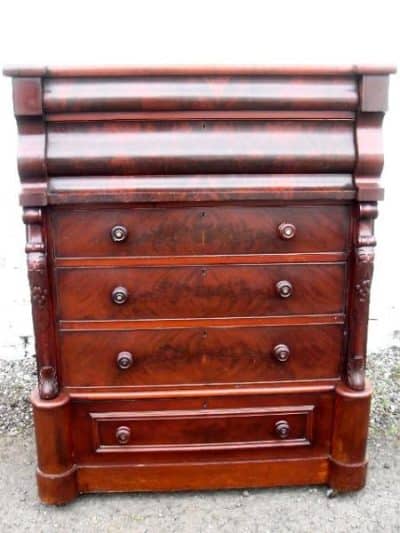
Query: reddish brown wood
point(193, 147)
point(42, 307)
point(200, 251)
point(218, 230)
point(200, 355)
point(199, 291)
point(155, 189)
point(114, 71)
point(363, 262)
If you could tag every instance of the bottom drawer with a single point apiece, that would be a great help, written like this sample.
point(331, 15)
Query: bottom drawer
point(225, 427)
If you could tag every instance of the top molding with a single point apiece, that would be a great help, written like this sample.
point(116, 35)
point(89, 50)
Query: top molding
point(200, 70)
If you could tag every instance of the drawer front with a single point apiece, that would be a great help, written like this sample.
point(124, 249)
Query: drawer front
point(213, 355)
point(199, 428)
point(199, 230)
point(199, 291)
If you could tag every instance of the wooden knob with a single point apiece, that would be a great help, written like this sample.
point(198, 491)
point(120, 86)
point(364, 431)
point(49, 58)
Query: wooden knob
point(119, 295)
point(123, 434)
point(286, 231)
point(282, 429)
point(284, 288)
point(281, 353)
point(119, 233)
point(124, 360)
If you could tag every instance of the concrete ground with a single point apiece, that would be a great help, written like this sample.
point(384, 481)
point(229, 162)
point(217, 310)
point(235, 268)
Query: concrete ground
point(306, 509)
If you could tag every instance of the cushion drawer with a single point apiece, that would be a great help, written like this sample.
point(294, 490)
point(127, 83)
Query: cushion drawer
point(195, 356)
point(156, 231)
point(161, 429)
point(199, 291)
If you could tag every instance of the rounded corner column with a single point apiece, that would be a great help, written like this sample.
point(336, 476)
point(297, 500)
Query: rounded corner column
point(348, 460)
point(56, 471)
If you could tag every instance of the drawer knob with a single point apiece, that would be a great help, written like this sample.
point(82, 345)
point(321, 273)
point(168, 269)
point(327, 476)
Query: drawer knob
point(123, 434)
point(124, 360)
point(284, 288)
point(282, 429)
point(119, 233)
point(286, 231)
point(281, 353)
point(119, 295)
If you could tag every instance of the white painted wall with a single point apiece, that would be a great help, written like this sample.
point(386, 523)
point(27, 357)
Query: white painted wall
point(193, 32)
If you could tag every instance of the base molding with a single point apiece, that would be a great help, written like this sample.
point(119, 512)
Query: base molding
point(64, 471)
point(203, 476)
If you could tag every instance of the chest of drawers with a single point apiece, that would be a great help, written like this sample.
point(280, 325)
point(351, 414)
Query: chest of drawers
point(200, 250)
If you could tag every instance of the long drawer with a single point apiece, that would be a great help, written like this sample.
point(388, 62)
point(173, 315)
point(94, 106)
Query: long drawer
point(157, 430)
point(157, 231)
point(199, 291)
point(195, 356)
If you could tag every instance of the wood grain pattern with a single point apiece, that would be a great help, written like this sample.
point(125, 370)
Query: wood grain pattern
point(197, 292)
point(215, 355)
point(203, 230)
point(202, 93)
point(199, 147)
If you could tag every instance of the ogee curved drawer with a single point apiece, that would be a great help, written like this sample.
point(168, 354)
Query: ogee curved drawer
point(214, 230)
point(153, 147)
point(199, 291)
point(195, 356)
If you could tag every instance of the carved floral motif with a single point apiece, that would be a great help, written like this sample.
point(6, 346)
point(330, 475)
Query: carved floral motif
point(39, 295)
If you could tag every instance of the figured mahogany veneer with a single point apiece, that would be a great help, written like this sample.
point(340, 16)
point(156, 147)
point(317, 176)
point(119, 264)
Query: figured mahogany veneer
point(200, 252)
point(222, 230)
point(214, 355)
point(199, 291)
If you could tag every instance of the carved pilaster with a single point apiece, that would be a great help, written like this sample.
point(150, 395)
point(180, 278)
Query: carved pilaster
point(359, 302)
point(41, 310)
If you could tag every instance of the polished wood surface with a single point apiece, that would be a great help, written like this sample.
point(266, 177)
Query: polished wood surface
point(214, 355)
point(198, 291)
point(200, 249)
point(217, 230)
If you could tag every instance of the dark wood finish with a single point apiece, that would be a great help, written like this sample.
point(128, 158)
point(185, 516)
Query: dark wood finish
point(199, 291)
point(200, 255)
point(209, 146)
point(215, 355)
point(235, 229)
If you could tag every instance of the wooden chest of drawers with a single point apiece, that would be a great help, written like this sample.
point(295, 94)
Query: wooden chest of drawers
point(200, 252)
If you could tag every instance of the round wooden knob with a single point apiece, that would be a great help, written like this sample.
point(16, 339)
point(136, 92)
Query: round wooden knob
point(123, 434)
point(286, 230)
point(119, 295)
point(284, 288)
point(119, 233)
point(282, 429)
point(281, 353)
point(124, 360)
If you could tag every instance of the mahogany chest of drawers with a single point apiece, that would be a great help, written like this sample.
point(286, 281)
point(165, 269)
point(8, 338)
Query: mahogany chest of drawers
point(200, 251)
